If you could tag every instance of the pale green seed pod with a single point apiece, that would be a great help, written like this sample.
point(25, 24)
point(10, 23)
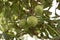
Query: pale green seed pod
point(32, 21)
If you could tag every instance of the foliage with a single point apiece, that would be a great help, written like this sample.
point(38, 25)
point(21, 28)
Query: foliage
point(19, 17)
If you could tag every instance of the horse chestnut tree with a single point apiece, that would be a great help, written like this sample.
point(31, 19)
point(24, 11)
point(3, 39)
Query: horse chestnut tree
point(20, 17)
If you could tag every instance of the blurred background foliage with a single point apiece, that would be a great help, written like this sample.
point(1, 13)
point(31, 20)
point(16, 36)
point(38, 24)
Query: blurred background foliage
point(19, 17)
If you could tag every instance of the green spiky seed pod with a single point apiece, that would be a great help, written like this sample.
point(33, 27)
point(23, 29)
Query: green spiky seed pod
point(22, 23)
point(38, 10)
point(32, 21)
